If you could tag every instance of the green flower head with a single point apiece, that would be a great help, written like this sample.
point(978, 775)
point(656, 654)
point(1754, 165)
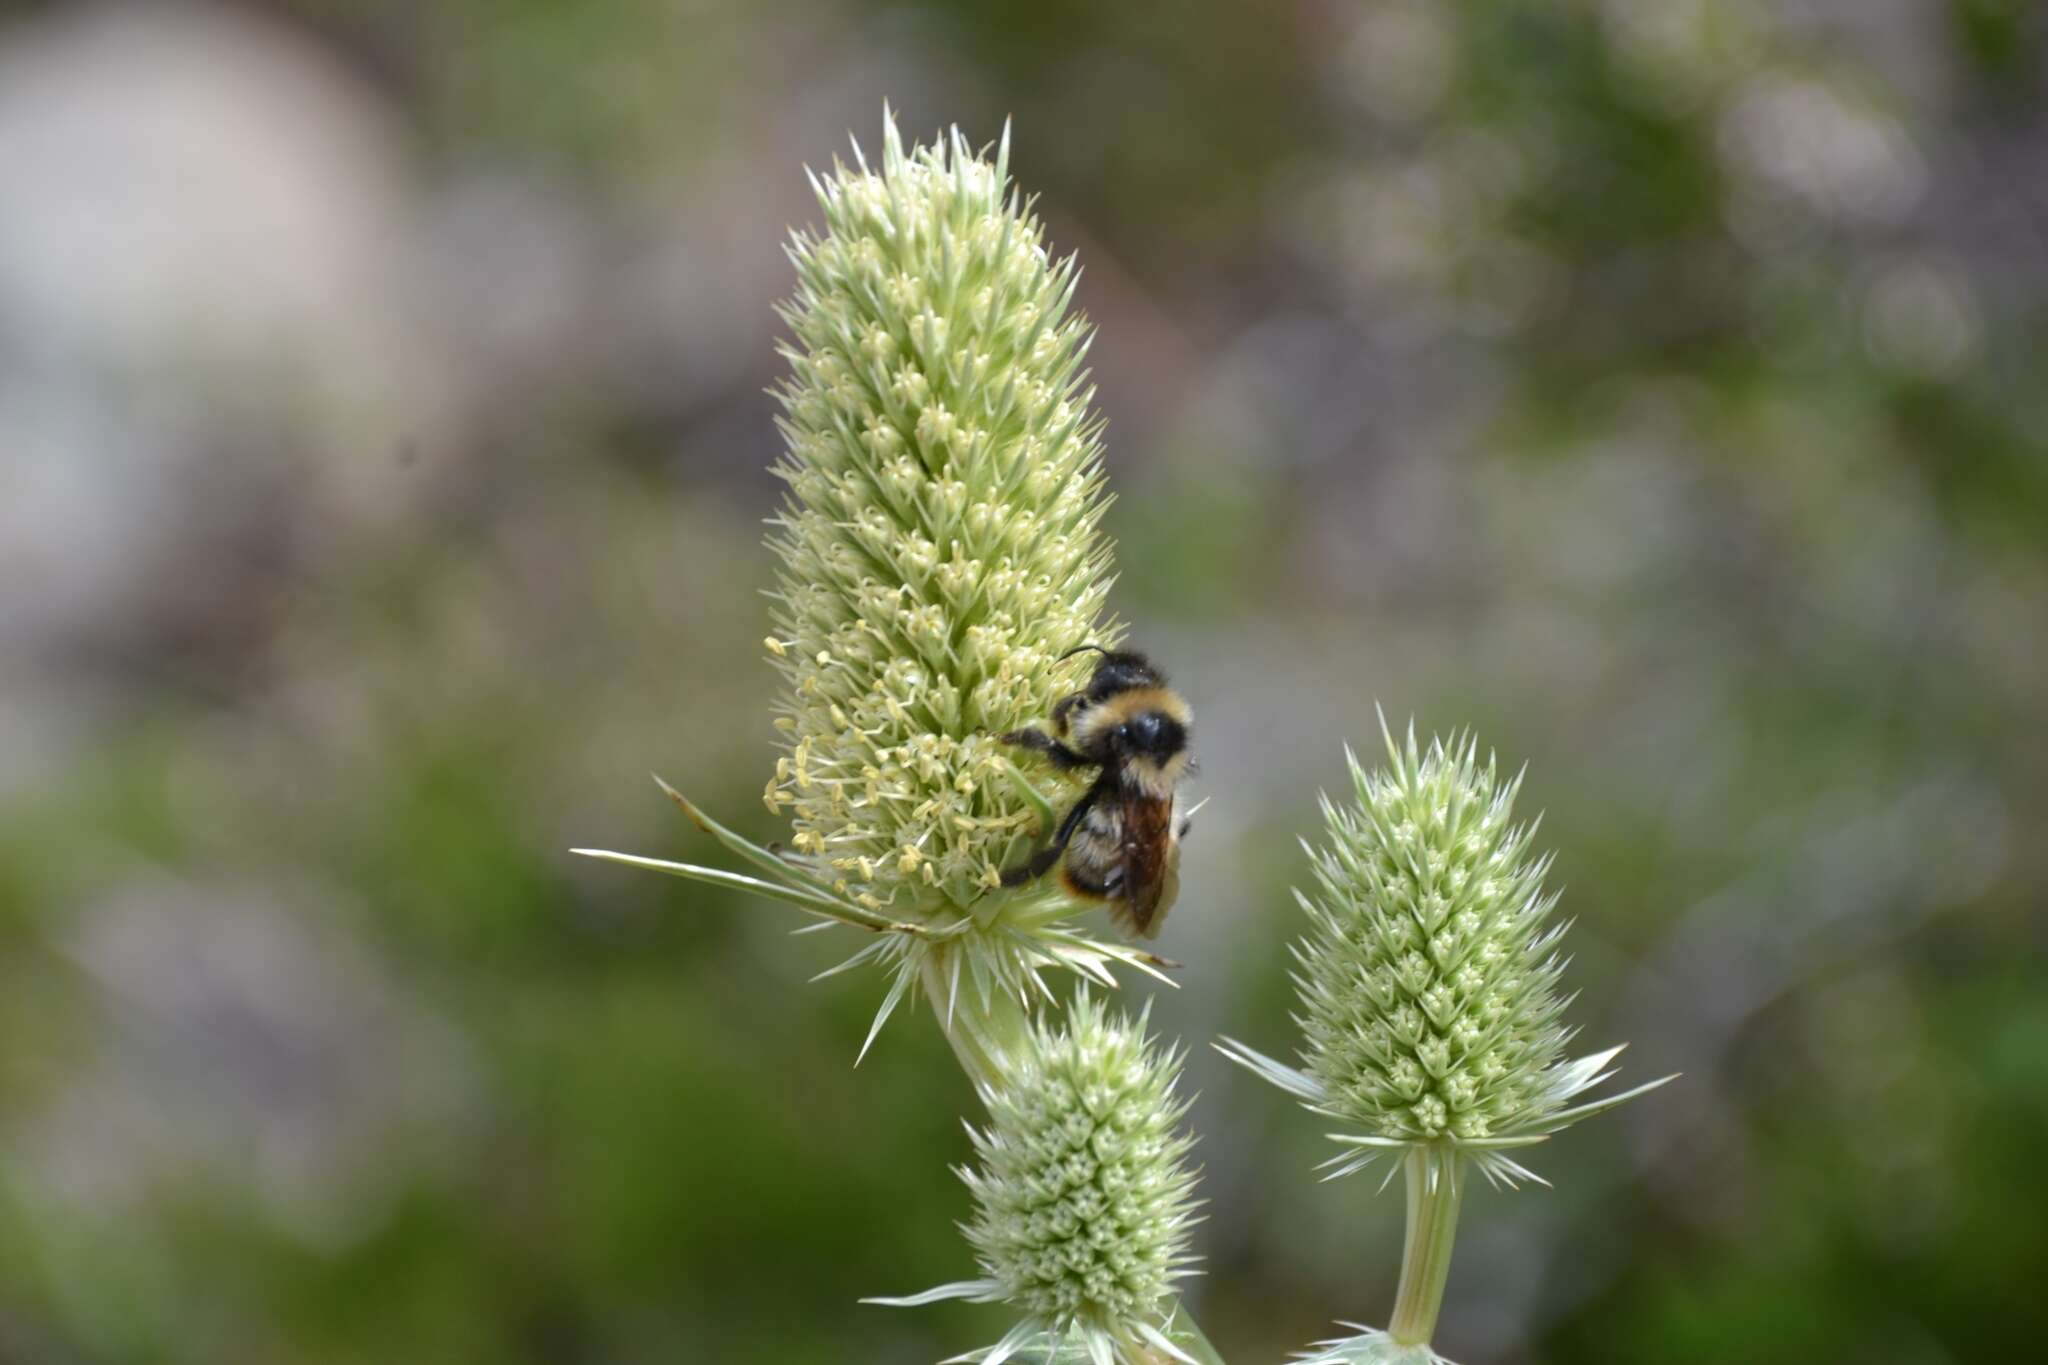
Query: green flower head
point(940, 542)
point(1082, 1195)
point(1428, 977)
point(941, 558)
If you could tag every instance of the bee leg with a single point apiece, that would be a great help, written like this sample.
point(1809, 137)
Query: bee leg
point(1059, 754)
point(1034, 867)
point(1040, 863)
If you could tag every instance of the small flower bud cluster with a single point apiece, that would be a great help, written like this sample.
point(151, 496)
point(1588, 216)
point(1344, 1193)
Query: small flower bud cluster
point(1082, 1197)
point(1428, 977)
point(939, 542)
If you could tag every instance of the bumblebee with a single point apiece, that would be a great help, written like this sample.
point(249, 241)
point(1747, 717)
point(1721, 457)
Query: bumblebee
point(1121, 840)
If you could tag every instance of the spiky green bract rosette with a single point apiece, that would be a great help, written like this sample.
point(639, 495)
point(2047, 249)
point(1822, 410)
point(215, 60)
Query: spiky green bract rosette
point(1428, 976)
point(1429, 1006)
point(940, 550)
point(1082, 1196)
point(1370, 1346)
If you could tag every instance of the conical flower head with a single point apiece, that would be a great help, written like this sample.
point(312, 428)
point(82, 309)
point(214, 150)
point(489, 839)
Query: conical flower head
point(940, 545)
point(1428, 977)
point(1082, 1197)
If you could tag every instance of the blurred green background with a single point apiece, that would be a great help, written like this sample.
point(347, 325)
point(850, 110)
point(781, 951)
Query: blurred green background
point(1657, 387)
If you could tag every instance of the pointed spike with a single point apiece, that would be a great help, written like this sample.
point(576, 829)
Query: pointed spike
point(892, 142)
point(1164, 1343)
point(959, 1289)
point(952, 990)
point(889, 1003)
point(1563, 1117)
point(1012, 1342)
point(850, 963)
point(802, 898)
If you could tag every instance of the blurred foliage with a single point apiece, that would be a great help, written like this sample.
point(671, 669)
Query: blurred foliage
point(1654, 388)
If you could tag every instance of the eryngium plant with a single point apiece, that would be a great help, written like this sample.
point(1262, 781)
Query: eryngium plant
point(1082, 1196)
point(1428, 983)
point(941, 545)
point(941, 549)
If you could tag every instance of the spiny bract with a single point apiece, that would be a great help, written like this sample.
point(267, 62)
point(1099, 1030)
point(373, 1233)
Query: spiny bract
point(1082, 1200)
point(1428, 978)
point(939, 542)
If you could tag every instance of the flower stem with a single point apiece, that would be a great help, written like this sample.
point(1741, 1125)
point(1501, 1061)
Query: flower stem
point(980, 1030)
point(1436, 1184)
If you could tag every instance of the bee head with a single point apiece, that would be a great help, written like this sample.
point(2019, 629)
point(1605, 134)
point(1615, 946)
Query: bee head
point(1150, 734)
point(1127, 716)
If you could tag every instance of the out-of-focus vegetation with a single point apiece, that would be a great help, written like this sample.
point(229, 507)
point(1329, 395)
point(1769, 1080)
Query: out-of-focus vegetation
point(1655, 387)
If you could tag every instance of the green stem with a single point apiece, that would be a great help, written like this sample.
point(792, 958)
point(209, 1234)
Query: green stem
point(981, 1033)
point(1436, 1184)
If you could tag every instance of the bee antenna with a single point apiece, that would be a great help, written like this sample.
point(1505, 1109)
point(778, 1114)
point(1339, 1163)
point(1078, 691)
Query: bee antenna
point(1077, 649)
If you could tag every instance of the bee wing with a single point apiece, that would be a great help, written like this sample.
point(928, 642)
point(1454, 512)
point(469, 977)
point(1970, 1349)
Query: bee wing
point(1150, 866)
point(1169, 884)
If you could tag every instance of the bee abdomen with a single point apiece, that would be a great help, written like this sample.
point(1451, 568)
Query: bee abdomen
point(1083, 882)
